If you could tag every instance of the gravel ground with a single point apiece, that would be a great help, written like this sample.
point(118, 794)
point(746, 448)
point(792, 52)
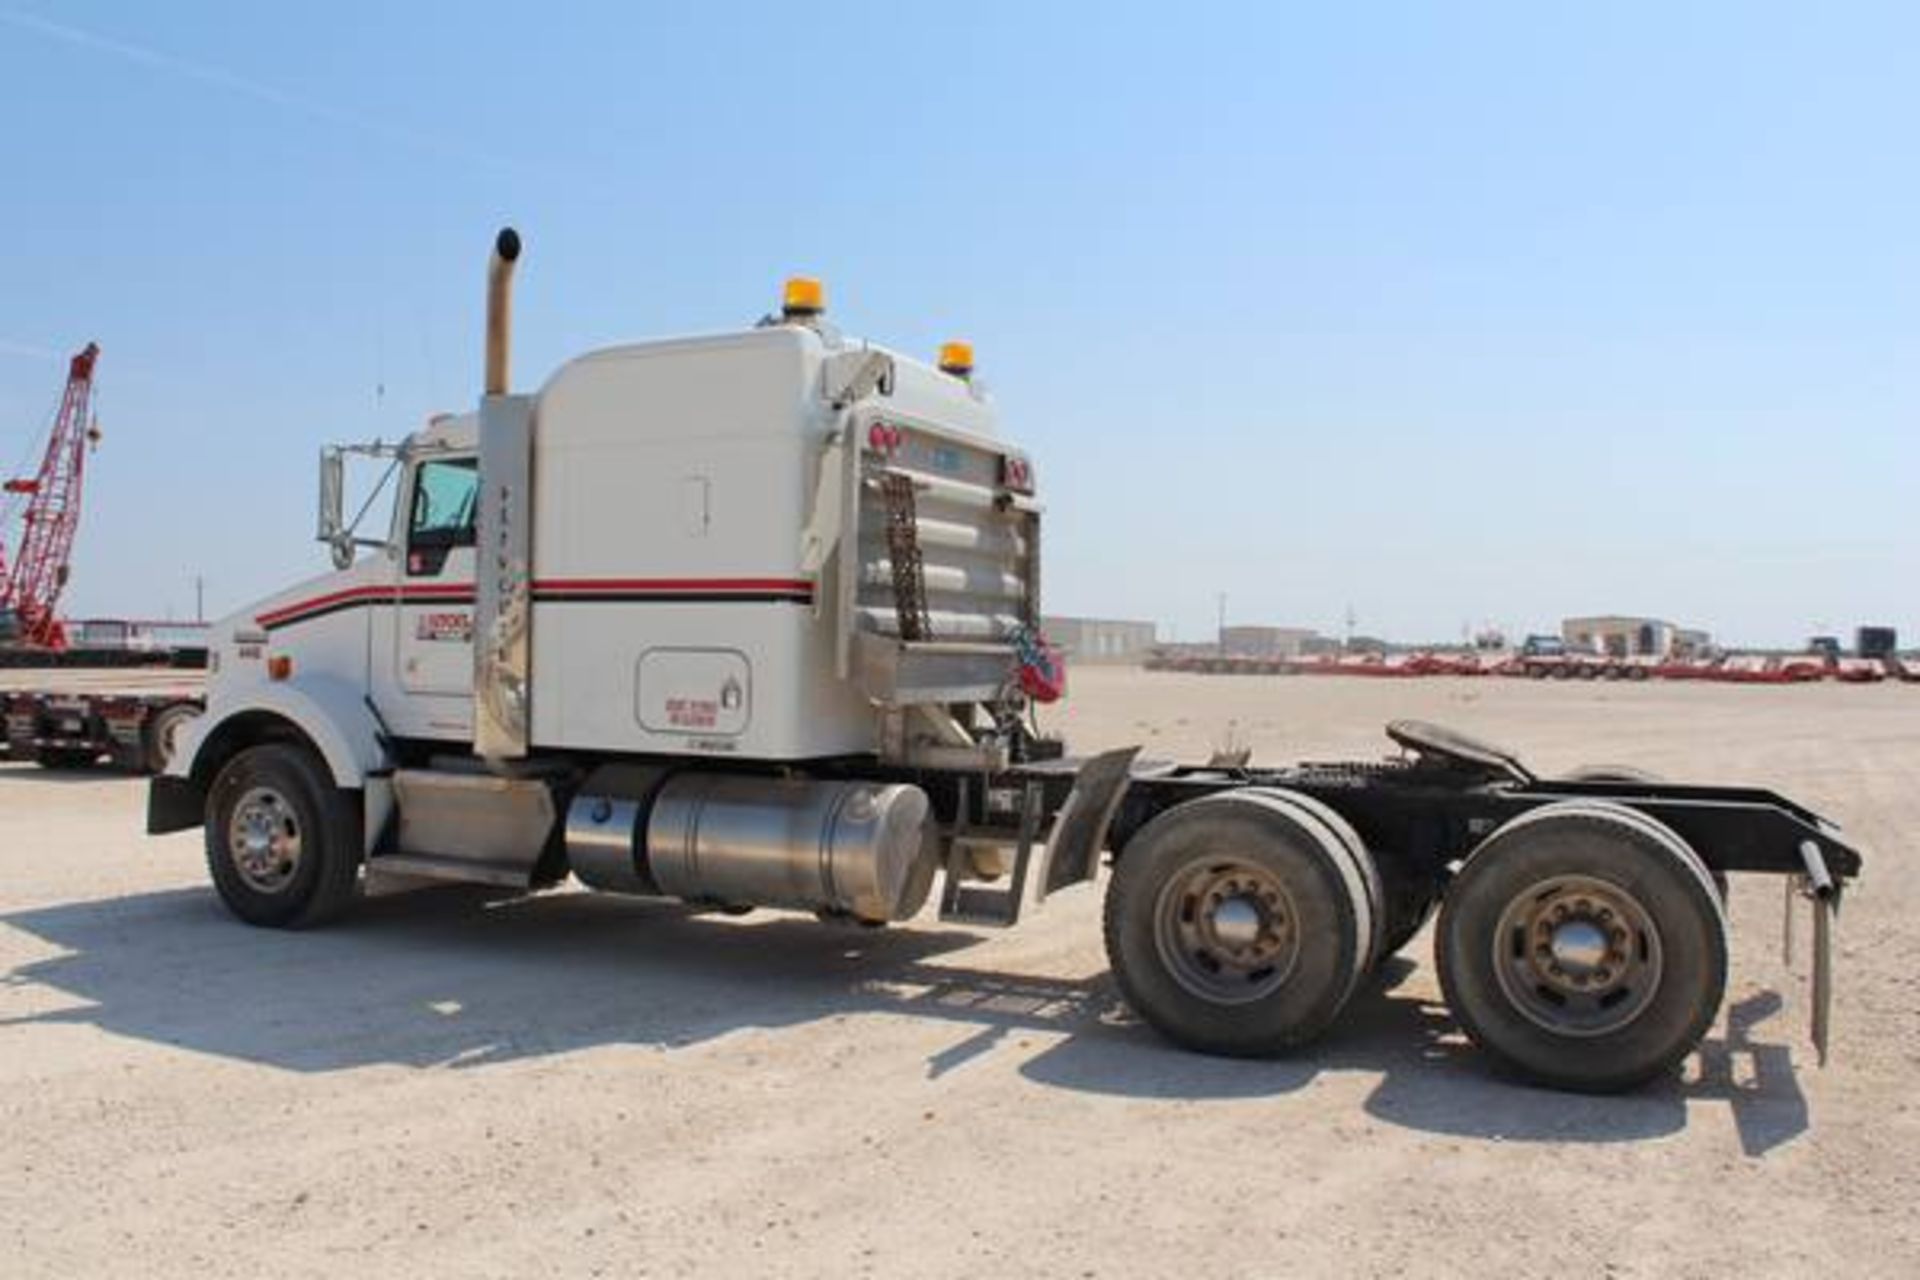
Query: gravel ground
point(573, 1085)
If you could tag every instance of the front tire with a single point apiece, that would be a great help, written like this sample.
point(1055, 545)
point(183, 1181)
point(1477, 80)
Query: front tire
point(1583, 945)
point(283, 843)
point(1238, 925)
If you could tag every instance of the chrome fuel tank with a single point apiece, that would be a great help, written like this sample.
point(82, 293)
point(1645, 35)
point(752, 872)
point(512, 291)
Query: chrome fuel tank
point(865, 849)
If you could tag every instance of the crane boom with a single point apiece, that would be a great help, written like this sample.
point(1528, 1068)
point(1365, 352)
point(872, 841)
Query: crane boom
point(30, 587)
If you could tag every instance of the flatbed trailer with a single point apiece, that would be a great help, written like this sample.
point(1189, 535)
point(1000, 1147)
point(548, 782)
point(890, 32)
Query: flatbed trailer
point(70, 717)
point(186, 657)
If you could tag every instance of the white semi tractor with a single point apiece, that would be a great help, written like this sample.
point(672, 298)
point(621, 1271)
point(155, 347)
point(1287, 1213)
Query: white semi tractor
point(752, 620)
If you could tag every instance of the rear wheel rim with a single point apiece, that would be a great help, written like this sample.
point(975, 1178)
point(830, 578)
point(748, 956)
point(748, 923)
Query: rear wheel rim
point(264, 840)
point(1577, 955)
point(1227, 931)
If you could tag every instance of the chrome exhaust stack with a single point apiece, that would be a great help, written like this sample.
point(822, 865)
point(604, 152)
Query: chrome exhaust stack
point(506, 252)
point(503, 569)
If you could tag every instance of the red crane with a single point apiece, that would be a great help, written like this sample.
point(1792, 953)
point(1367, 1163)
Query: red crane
point(31, 586)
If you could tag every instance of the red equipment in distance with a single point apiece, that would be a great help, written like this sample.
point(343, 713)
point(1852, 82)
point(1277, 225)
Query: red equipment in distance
point(30, 587)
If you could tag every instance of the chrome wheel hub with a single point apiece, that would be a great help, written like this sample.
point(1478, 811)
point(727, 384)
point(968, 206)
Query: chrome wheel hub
point(1580, 946)
point(1227, 931)
point(1577, 955)
point(263, 840)
point(1237, 922)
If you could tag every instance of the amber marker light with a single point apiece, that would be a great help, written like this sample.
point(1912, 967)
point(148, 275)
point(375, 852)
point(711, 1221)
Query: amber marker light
point(803, 296)
point(956, 358)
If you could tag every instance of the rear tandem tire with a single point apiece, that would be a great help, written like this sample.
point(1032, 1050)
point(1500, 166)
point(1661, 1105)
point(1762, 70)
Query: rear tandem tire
point(1237, 924)
point(1348, 840)
point(1632, 773)
point(283, 843)
point(1583, 945)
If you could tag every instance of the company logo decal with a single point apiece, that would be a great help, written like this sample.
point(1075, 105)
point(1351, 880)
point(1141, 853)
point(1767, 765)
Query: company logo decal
point(456, 628)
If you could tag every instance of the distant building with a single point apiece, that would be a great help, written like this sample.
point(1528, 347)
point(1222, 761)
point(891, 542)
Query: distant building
point(1621, 636)
point(1876, 642)
point(1689, 642)
point(1265, 642)
point(1100, 639)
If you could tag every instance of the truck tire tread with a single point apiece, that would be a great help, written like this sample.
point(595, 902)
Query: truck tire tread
point(1329, 895)
point(327, 877)
point(1668, 880)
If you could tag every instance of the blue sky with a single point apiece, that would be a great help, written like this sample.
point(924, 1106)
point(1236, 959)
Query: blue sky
point(1444, 312)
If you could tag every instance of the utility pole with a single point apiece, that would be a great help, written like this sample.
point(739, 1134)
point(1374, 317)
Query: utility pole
point(199, 598)
point(1220, 632)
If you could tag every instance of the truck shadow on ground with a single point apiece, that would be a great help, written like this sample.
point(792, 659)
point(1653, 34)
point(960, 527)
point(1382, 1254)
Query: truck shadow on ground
point(1433, 1080)
point(449, 979)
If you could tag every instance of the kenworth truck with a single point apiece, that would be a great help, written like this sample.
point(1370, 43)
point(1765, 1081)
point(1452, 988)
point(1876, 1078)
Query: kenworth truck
point(752, 620)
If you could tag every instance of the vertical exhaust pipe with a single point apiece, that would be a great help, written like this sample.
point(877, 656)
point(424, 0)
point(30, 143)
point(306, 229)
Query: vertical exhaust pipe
point(503, 600)
point(506, 252)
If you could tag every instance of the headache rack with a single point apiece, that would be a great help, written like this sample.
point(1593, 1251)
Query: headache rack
point(938, 566)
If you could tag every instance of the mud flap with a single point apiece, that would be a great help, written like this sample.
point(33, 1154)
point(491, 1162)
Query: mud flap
point(1818, 886)
point(1080, 830)
point(173, 804)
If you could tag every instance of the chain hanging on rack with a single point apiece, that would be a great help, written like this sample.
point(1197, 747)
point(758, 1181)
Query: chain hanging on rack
point(903, 550)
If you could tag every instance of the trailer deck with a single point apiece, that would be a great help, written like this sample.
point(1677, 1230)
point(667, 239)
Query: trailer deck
point(71, 717)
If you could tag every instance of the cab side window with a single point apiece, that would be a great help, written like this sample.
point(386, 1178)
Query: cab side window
point(446, 492)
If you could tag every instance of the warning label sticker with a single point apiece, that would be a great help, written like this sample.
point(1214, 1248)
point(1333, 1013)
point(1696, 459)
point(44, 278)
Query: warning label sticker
point(707, 692)
point(693, 713)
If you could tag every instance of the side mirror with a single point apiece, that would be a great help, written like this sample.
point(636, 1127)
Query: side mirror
point(331, 528)
point(333, 486)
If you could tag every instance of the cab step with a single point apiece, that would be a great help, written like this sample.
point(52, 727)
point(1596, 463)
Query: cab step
point(964, 899)
point(433, 866)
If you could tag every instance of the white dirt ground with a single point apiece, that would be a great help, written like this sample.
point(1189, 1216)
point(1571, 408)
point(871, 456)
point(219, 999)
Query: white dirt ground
point(574, 1085)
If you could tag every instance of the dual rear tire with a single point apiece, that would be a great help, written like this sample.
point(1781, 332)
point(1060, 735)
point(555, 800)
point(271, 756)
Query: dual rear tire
point(1241, 923)
point(1582, 945)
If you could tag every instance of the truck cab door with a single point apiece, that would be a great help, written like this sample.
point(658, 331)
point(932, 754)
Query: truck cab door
point(433, 605)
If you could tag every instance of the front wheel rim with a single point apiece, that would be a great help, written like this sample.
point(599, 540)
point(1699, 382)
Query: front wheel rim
point(1227, 931)
point(264, 840)
point(1577, 955)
